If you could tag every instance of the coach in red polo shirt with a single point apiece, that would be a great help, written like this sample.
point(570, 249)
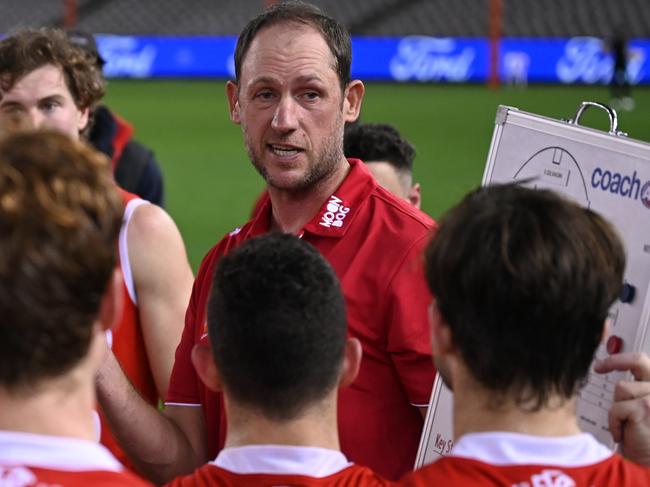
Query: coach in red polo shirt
point(292, 97)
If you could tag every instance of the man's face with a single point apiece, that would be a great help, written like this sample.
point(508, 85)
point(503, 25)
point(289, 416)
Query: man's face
point(398, 184)
point(290, 106)
point(44, 100)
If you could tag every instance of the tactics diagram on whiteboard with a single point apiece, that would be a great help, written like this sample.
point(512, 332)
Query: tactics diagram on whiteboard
point(552, 167)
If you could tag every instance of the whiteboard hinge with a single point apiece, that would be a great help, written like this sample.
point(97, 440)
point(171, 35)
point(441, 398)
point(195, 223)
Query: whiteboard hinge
point(502, 114)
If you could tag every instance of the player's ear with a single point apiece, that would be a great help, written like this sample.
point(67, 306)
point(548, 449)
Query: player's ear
point(203, 362)
point(353, 96)
point(83, 118)
point(441, 339)
point(112, 302)
point(351, 362)
point(414, 197)
point(232, 93)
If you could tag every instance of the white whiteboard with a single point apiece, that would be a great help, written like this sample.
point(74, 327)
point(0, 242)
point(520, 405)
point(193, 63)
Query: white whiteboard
point(606, 172)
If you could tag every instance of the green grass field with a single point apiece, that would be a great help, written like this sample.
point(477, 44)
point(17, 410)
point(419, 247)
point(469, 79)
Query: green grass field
point(211, 185)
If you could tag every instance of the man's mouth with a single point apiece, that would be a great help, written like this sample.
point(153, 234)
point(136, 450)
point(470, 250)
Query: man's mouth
point(284, 150)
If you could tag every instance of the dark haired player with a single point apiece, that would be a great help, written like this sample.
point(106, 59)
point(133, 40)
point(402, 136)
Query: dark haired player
point(135, 168)
point(279, 351)
point(515, 325)
point(388, 155)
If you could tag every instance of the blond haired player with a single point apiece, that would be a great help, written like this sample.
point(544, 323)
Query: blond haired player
point(60, 217)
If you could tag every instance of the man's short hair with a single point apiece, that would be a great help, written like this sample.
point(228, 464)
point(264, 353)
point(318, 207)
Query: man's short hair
point(277, 325)
point(524, 278)
point(60, 217)
point(379, 142)
point(296, 12)
point(29, 49)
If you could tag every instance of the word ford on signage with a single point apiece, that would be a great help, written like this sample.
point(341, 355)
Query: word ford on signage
point(585, 61)
point(431, 59)
point(127, 56)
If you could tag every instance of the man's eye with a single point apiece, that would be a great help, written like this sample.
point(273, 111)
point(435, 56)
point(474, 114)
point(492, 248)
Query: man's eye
point(11, 109)
point(264, 95)
point(311, 95)
point(49, 105)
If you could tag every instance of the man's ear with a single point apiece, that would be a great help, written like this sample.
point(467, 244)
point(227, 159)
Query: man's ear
point(203, 362)
point(414, 197)
point(441, 339)
point(352, 101)
point(112, 302)
point(351, 362)
point(232, 93)
point(84, 117)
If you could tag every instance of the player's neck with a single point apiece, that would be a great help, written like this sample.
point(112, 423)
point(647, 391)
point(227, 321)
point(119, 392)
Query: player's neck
point(59, 407)
point(316, 427)
point(476, 410)
point(292, 210)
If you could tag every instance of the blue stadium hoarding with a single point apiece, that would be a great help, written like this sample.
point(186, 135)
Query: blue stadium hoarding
point(408, 59)
point(420, 59)
point(577, 60)
point(167, 57)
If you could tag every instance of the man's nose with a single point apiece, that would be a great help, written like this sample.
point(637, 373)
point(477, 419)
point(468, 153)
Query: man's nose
point(285, 117)
point(36, 118)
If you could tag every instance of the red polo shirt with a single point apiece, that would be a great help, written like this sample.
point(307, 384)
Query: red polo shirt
point(373, 240)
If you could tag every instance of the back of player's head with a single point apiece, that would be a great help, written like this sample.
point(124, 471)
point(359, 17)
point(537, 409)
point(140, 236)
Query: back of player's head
point(296, 12)
point(524, 279)
point(60, 217)
point(277, 325)
point(29, 49)
point(379, 142)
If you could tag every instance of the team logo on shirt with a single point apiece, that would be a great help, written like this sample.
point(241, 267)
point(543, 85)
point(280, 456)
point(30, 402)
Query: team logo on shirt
point(335, 213)
point(548, 478)
point(17, 477)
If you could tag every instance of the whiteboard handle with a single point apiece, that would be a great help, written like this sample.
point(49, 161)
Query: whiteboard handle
point(613, 117)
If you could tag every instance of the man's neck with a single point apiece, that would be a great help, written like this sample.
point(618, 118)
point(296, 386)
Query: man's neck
point(292, 210)
point(62, 407)
point(477, 410)
point(316, 427)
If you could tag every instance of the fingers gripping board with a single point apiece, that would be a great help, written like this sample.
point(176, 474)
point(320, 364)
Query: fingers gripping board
point(607, 172)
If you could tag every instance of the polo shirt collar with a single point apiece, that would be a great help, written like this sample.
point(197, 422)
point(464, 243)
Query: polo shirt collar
point(55, 452)
point(337, 212)
point(282, 460)
point(508, 448)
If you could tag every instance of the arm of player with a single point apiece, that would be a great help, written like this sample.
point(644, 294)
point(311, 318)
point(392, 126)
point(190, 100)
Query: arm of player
point(629, 416)
point(163, 282)
point(162, 445)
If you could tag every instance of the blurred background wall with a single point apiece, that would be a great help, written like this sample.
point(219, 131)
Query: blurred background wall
point(436, 69)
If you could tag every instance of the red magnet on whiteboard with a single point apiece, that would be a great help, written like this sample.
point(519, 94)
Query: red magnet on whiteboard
point(614, 344)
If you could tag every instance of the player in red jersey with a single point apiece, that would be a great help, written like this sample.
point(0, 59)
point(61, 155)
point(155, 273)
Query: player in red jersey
point(59, 292)
point(292, 97)
point(54, 84)
point(516, 321)
point(278, 351)
point(388, 155)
